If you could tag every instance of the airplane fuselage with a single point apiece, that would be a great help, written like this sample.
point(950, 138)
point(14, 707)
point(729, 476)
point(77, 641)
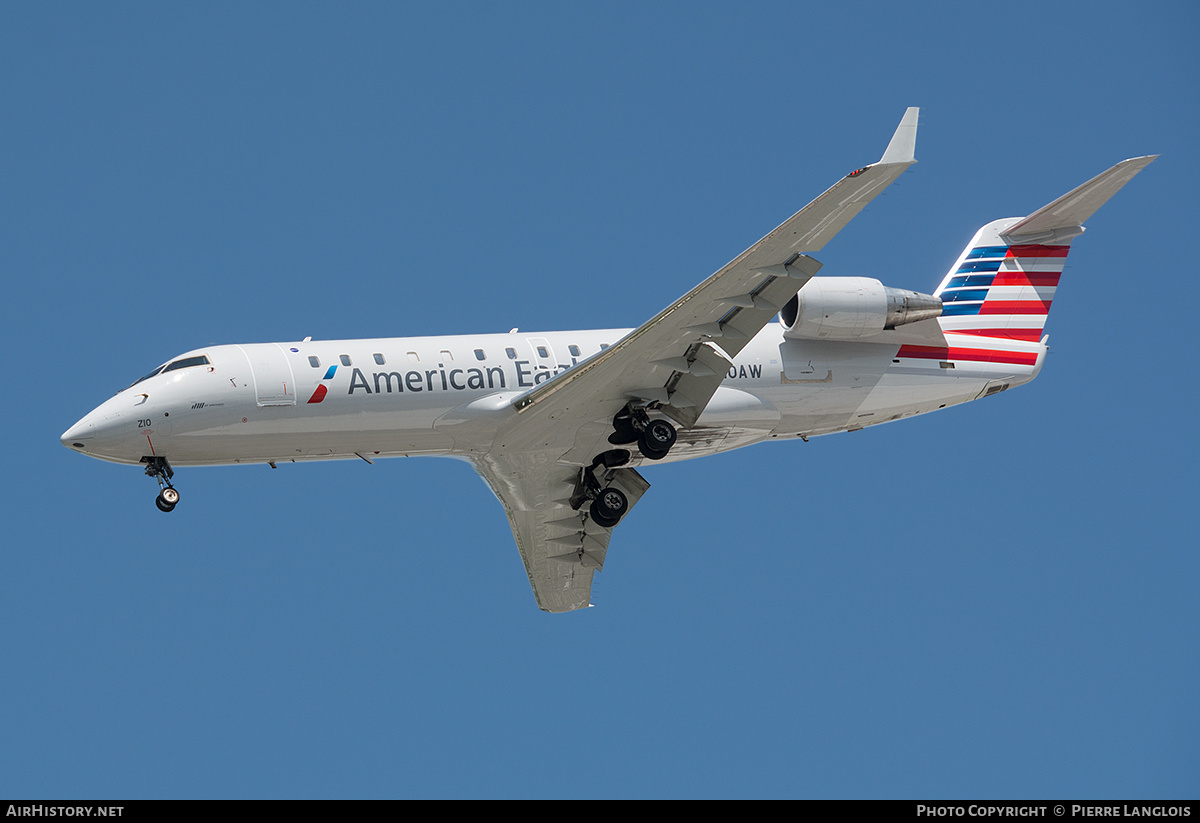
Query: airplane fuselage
point(389, 397)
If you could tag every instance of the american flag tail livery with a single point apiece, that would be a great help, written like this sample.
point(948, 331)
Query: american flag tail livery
point(1003, 283)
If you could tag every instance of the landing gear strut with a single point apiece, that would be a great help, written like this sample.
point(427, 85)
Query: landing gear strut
point(653, 437)
point(158, 468)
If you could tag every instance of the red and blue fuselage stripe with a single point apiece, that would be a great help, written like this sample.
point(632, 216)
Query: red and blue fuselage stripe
point(1019, 358)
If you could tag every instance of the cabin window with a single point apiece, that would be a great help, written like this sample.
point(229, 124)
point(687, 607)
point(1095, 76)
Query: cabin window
point(603, 346)
point(541, 350)
point(315, 362)
point(574, 350)
point(447, 355)
point(479, 355)
point(378, 359)
point(512, 353)
point(413, 357)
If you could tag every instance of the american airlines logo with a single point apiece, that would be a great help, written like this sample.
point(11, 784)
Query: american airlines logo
point(322, 389)
point(528, 375)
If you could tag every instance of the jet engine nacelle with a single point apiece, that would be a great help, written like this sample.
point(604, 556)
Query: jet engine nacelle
point(852, 308)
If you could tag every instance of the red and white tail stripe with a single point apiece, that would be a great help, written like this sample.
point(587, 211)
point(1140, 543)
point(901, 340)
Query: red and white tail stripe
point(998, 290)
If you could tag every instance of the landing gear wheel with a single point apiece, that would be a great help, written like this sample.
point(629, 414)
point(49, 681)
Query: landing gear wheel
point(656, 439)
point(158, 468)
point(609, 507)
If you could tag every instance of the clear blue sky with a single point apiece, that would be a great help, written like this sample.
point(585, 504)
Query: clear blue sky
point(999, 600)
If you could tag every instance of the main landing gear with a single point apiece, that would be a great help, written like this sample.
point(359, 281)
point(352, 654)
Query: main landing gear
point(608, 503)
point(632, 424)
point(158, 468)
point(653, 437)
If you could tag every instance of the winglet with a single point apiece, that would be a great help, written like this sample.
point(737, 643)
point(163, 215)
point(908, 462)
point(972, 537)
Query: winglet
point(902, 148)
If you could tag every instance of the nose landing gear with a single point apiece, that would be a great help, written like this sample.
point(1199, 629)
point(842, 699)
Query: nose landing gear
point(158, 468)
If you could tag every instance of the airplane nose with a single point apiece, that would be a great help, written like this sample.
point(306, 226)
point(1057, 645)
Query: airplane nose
point(106, 432)
point(78, 436)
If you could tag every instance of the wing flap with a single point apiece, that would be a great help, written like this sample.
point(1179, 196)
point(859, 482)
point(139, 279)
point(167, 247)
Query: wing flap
point(694, 388)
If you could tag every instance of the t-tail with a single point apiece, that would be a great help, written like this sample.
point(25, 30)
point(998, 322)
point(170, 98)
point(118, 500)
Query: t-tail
point(1004, 282)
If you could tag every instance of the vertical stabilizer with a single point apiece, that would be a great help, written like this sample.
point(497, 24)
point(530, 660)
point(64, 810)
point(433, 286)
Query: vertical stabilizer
point(1001, 290)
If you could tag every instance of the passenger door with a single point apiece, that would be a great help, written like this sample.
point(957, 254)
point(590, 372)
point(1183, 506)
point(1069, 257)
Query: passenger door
point(274, 382)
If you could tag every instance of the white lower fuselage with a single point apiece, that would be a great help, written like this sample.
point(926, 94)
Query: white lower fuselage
point(392, 397)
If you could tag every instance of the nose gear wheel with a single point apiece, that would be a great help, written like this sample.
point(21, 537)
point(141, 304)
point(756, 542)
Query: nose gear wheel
point(158, 468)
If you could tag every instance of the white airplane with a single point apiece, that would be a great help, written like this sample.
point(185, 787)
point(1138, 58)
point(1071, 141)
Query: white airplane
point(556, 422)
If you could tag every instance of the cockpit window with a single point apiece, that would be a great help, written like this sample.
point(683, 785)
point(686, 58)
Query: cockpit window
point(147, 377)
point(186, 363)
point(183, 363)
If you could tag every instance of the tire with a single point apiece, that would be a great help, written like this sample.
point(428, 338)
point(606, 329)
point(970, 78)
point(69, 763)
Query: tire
point(649, 453)
point(163, 506)
point(656, 440)
point(609, 507)
point(660, 435)
point(602, 521)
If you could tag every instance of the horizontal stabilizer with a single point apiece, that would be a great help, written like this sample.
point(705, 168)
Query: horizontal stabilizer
point(1068, 212)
